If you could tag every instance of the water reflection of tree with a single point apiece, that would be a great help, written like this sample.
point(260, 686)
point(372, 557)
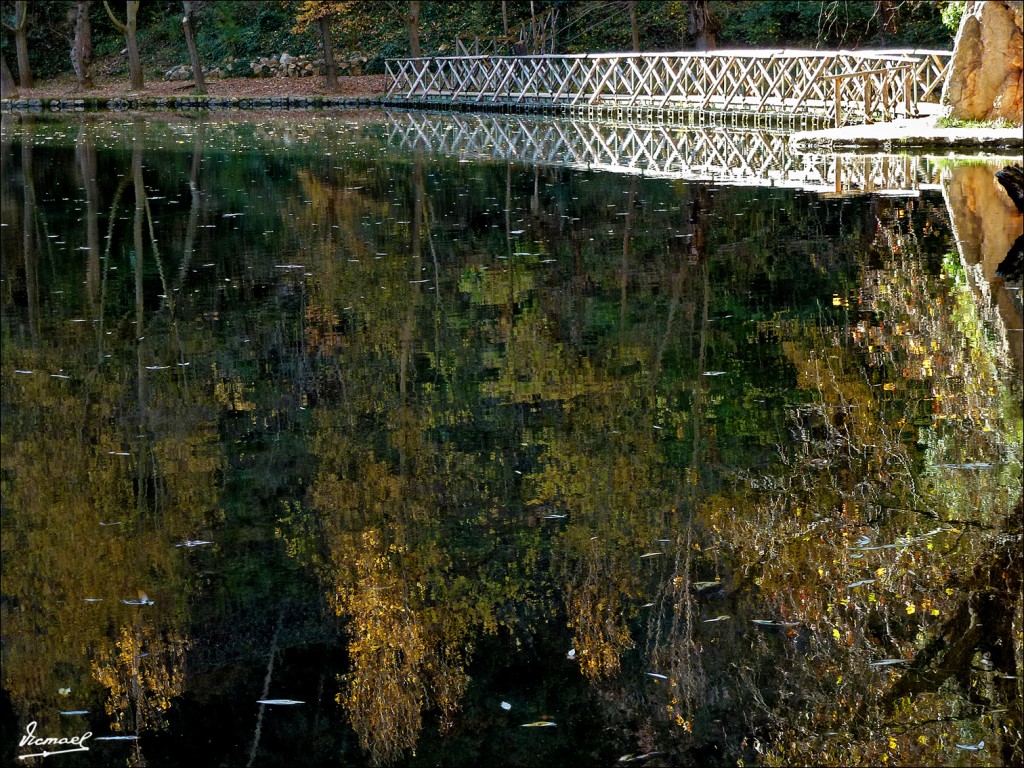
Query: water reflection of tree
point(458, 412)
point(116, 472)
point(818, 540)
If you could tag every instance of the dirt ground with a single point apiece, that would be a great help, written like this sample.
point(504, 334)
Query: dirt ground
point(234, 87)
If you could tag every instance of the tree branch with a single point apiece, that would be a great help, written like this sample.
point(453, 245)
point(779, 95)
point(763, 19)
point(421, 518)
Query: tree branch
point(121, 27)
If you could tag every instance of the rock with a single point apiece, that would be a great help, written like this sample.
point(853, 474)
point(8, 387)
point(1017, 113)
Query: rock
point(285, 59)
point(1012, 179)
point(1012, 267)
point(986, 77)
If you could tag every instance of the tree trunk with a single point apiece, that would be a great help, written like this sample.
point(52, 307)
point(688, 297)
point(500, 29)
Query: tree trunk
point(330, 69)
point(128, 30)
point(8, 90)
point(703, 26)
point(504, 16)
point(633, 26)
point(20, 30)
point(412, 26)
point(85, 149)
point(81, 48)
point(188, 26)
point(134, 63)
point(28, 239)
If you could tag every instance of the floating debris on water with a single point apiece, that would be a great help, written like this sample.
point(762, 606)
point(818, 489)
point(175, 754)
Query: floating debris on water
point(889, 662)
point(94, 599)
point(656, 675)
point(715, 373)
point(723, 617)
point(706, 584)
point(571, 654)
point(972, 747)
point(279, 701)
point(506, 706)
point(767, 623)
point(651, 554)
point(157, 367)
point(71, 712)
point(538, 724)
point(861, 583)
point(193, 543)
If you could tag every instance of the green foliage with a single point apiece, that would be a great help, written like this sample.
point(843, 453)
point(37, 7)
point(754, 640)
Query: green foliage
point(49, 28)
point(831, 24)
point(955, 122)
point(242, 30)
point(247, 30)
point(952, 12)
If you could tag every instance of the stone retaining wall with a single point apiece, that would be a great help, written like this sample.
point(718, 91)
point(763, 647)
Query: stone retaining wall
point(284, 65)
point(94, 104)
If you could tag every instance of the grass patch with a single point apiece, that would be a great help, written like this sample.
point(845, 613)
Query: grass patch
point(952, 122)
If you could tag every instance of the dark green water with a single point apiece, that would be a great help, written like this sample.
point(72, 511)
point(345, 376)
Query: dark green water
point(444, 448)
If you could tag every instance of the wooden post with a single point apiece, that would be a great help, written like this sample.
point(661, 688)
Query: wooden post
point(839, 101)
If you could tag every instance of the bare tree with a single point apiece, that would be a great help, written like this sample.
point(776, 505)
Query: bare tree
point(703, 25)
point(412, 26)
point(20, 30)
point(81, 48)
point(330, 68)
point(188, 26)
point(8, 90)
point(128, 30)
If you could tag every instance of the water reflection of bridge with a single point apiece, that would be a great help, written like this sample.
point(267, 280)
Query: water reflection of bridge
point(748, 157)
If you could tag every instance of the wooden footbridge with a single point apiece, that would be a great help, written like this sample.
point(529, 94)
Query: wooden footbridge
point(748, 157)
point(764, 87)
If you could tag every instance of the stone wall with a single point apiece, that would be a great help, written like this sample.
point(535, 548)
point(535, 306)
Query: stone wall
point(284, 65)
point(986, 79)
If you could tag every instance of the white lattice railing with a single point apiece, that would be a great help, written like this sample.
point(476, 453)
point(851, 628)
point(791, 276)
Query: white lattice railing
point(747, 157)
point(786, 82)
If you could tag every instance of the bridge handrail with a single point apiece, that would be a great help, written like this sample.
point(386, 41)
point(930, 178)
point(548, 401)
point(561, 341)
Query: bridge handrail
point(868, 89)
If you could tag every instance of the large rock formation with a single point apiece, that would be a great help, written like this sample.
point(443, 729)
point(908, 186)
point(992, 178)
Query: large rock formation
point(986, 78)
point(986, 225)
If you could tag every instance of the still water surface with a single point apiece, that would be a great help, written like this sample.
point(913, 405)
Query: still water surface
point(489, 463)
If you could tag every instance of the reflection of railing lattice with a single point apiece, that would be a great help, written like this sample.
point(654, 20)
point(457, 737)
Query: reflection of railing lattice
point(781, 82)
point(747, 157)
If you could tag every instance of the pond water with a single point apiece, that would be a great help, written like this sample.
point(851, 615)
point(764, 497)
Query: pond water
point(484, 461)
